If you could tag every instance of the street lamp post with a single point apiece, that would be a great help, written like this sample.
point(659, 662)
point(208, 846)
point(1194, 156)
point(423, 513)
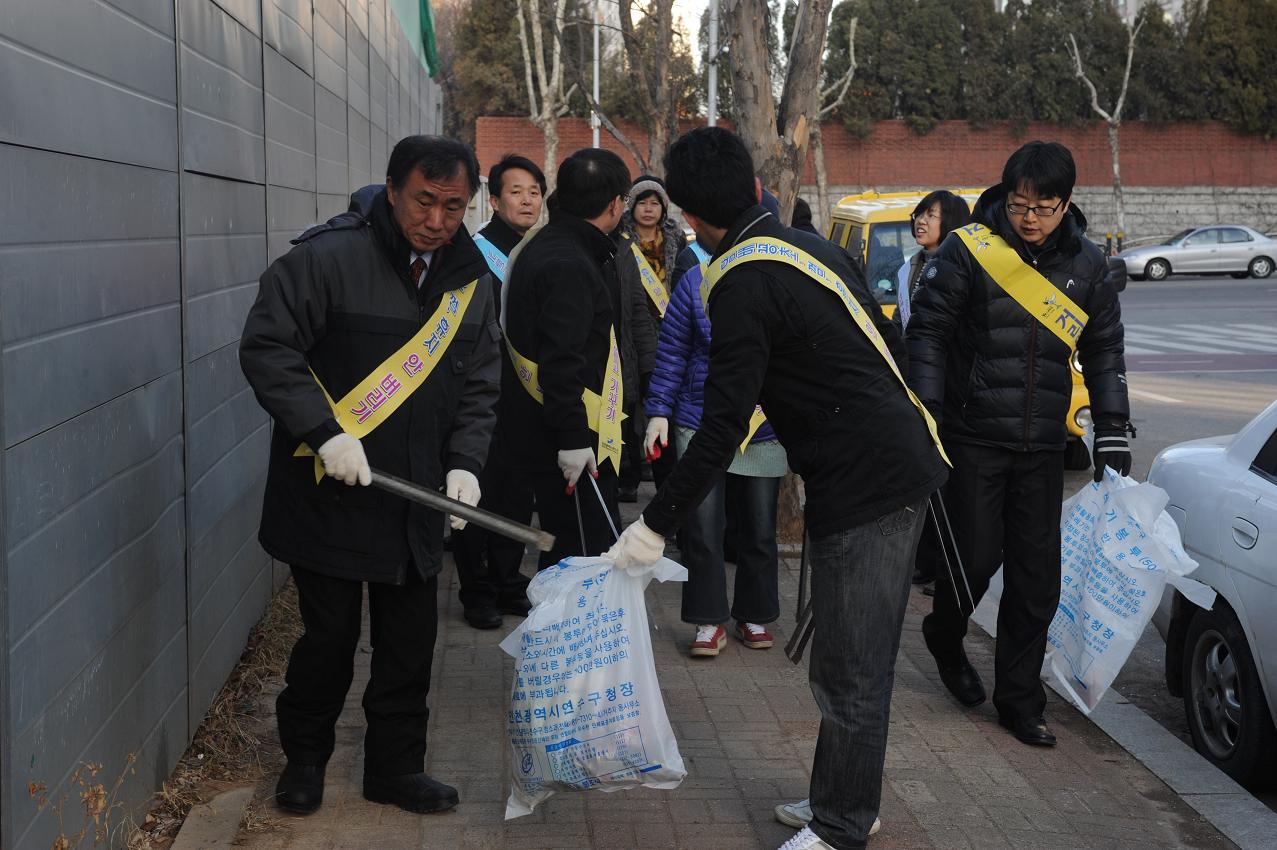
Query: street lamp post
point(594, 115)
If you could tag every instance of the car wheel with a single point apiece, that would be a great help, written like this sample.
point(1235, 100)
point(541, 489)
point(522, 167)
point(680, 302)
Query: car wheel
point(1261, 267)
point(1157, 270)
point(1224, 700)
point(1076, 455)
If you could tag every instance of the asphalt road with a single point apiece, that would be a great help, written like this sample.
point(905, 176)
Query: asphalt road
point(1201, 361)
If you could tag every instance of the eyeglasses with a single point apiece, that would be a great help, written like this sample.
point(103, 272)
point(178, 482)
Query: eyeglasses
point(1040, 212)
point(931, 215)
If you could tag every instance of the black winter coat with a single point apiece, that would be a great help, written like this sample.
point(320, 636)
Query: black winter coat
point(1000, 378)
point(561, 299)
point(638, 328)
point(781, 339)
point(340, 303)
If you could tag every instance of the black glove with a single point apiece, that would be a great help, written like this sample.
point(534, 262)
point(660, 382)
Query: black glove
point(1112, 449)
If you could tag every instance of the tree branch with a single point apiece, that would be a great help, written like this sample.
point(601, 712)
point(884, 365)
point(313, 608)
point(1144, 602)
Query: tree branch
point(533, 109)
point(1132, 34)
point(1081, 75)
point(845, 81)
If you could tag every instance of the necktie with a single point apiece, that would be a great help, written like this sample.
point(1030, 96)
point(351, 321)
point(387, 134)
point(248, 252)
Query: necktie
point(416, 270)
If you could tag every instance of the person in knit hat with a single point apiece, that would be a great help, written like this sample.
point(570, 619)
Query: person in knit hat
point(659, 237)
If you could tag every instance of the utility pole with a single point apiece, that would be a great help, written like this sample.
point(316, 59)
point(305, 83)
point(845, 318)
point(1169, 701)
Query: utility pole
point(712, 106)
point(594, 115)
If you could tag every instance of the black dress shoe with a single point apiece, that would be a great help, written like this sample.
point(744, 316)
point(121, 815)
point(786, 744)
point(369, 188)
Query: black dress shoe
point(300, 789)
point(519, 607)
point(413, 792)
point(964, 683)
point(487, 617)
point(1029, 730)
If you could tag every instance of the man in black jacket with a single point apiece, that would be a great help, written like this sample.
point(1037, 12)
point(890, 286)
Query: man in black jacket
point(562, 389)
point(999, 380)
point(390, 314)
point(488, 564)
point(820, 358)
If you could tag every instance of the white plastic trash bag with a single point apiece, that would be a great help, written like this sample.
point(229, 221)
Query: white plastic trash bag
point(586, 708)
point(1118, 551)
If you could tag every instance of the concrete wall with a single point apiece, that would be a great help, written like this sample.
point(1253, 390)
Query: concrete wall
point(155, 155)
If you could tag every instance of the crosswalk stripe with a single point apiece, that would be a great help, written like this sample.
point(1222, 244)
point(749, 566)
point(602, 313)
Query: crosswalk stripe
point(1161, 342)
point(1226, 337)
point(1222, 339)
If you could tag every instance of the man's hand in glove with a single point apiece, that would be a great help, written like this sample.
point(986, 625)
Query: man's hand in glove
point(575, 461)
point(464, 487)
point(657, 437)
point(1112, 449)
point(343, 458)
point(638, 546)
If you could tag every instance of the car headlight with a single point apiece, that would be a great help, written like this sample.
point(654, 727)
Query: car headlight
point(1076, 363)
point(1083, 418)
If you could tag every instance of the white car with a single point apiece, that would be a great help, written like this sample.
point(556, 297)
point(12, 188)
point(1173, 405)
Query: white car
point(1223, 662)
point(1240, 251)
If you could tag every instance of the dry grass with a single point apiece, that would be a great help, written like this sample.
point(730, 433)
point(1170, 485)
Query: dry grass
point(231, 748)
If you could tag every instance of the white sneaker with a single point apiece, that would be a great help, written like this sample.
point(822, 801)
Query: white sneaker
point(798, 815)
point(805, 840)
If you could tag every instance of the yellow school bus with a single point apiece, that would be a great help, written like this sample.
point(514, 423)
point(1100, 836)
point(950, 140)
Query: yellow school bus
point(875, 229)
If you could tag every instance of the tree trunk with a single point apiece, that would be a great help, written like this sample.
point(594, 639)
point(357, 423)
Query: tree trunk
point(550, 131)
point(820, 214)
point(1114, 127)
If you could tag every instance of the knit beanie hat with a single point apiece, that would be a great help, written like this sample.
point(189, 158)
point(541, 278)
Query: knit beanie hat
point(650, 185)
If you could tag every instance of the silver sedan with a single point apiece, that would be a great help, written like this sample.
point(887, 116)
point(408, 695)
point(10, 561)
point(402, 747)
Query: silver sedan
point(1232, 249)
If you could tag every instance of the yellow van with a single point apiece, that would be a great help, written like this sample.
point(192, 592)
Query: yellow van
point(875, 229)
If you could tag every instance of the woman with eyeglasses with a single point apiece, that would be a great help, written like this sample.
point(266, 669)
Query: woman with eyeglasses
point(936, 216)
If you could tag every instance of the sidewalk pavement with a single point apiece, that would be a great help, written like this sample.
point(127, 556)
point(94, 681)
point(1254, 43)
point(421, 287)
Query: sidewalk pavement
point(746, 725)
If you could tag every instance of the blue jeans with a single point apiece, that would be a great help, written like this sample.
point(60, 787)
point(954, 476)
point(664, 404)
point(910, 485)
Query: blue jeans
point(756, 598)
point(860, 586)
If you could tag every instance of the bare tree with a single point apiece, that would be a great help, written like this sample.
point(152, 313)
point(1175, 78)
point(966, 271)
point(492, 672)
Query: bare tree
point(831, 98)
point(1114, 118)
point(547, 100)
point(777, 136)
point(653, 91)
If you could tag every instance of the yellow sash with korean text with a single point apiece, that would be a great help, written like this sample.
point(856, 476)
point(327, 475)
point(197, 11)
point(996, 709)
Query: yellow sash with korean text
point(602, 410)
point(757, 419)
point(651, 283)
point(376, 397)
point(1046, 303)
point(774, 250)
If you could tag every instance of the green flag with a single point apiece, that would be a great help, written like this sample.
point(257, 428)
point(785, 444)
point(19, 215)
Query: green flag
point(428, 39)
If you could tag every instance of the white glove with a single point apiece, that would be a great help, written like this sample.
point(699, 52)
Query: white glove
point(638, 546)
point(575, 461)
point(658, 430)
point(464, 487)
point(343, 459)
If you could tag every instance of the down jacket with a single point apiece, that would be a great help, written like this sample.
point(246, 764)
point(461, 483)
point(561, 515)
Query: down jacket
point(677, 388)
point(996, 376)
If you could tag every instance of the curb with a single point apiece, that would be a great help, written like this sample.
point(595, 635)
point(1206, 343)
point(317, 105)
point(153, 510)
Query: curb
point(215, 824)
point(1213, 794)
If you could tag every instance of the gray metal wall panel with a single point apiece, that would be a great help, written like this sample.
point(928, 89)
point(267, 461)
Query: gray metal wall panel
point(289, 213)
point(290, 124)
point(213, 494)
point(225, 647)
point(377, 28)
point(222, 120)
point(331, 153)
point(359, 143)
point(125, 94)
point(377, 79)
point(143, 673)
point(288, 27)
point(333, 10)
point(225, 538)
point(331, 205)
point(358, 12)
point(88, 192)
point(356, 69)
point(247, 12)
point(330, 51)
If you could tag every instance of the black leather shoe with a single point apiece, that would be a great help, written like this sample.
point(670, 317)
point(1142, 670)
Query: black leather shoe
point(519, 607)
point(300, 789)
point(413, 792)
point(1029, 730)
point(487, 617)
point(964, 683)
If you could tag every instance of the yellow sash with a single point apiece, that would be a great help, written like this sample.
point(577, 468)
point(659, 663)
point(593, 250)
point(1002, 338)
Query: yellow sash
point(651, 283)
point(602, 411)
point(1055, 310)
point(376, 397)
point(766, 248)
point(758, 418)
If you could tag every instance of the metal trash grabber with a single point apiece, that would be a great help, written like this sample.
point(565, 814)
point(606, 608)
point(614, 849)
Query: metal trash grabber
point(526, 534)
point(936, 510)
point(804, 619)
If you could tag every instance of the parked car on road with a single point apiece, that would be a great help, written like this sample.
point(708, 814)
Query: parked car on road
point(1223, 662)
point(1233, 249)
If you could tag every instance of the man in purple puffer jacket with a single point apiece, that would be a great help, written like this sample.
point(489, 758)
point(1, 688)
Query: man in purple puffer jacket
point(676, 392)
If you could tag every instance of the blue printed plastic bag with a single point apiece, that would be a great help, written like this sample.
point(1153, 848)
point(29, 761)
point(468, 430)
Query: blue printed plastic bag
point(586, 709)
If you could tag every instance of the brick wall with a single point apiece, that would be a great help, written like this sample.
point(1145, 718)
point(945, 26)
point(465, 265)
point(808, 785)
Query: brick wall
point(1207, 154)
